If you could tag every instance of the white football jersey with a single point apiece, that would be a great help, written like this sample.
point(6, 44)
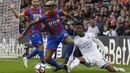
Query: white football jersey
point(87, 46)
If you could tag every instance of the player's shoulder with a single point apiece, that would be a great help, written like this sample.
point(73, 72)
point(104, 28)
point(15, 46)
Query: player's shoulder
point(59, 11)
point(89, 34)
point(26, 11)
point(76, 38)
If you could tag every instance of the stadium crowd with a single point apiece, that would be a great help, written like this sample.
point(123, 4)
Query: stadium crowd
point(101, 17)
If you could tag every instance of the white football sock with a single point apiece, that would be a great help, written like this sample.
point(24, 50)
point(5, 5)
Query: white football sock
point(71, 57)
point(75, 63)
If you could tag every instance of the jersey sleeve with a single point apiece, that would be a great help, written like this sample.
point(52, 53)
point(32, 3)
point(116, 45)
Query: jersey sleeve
point(75, 41)
point(26, 12)
point(62, 13)
point(98, 42)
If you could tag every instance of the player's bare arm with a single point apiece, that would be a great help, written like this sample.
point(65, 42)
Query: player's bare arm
point(30, 24)
point(26, 28)
point(70, 17)
point(17, 14)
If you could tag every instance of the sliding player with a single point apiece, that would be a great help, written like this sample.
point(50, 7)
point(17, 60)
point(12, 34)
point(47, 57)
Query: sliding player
point(91, 55)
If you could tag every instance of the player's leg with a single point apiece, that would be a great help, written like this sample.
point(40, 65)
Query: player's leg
point(104, 64)
point(41, 53)
point(69, 49)
point(76, 62)
point(76, 53)
point(73, 64)
point(79, 59)
point(52, 44)
point(50, 60)
point(33, 42)
point(110, 68)
point(66, 39)
point(33, 53)
point(27, 50)
point(39, 43)
point(26, 58)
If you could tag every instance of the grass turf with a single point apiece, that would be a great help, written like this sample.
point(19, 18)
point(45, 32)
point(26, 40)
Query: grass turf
point(15, 65)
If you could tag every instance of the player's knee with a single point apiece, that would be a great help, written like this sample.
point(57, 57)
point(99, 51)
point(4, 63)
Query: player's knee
point(69, 40)
point(82, 60)
point(41, 47)
point(47, 59)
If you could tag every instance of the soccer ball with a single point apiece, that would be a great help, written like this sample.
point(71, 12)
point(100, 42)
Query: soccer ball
point(40, 68)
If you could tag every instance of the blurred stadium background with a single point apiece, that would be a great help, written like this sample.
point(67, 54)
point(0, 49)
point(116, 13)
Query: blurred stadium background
point(111, 24)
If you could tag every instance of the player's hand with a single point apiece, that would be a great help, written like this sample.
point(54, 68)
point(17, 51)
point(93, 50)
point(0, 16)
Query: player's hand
point(19, 36)
point(11, 5)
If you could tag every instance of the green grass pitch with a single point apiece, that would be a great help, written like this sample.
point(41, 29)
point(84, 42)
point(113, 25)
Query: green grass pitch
point(15, 65)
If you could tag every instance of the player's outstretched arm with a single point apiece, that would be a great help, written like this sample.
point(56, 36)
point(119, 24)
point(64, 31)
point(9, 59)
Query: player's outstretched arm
point(17, 14)
point(70, 17)
point(100, 44)
point(26, 28)
point(30, 24)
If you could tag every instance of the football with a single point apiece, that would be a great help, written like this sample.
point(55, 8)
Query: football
point(40, 68)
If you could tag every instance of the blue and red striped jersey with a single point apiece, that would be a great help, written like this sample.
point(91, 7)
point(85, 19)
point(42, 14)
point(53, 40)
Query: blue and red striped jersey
point(53, 22)
point(34, 14)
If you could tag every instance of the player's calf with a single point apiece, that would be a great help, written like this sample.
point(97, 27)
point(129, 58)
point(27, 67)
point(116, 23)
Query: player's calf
point(57, 69)
point(110, 68)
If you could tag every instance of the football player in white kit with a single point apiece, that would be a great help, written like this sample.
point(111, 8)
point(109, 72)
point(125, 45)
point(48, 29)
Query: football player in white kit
point(91, 55)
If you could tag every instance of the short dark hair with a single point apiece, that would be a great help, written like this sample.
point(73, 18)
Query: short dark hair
point(80, 23)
